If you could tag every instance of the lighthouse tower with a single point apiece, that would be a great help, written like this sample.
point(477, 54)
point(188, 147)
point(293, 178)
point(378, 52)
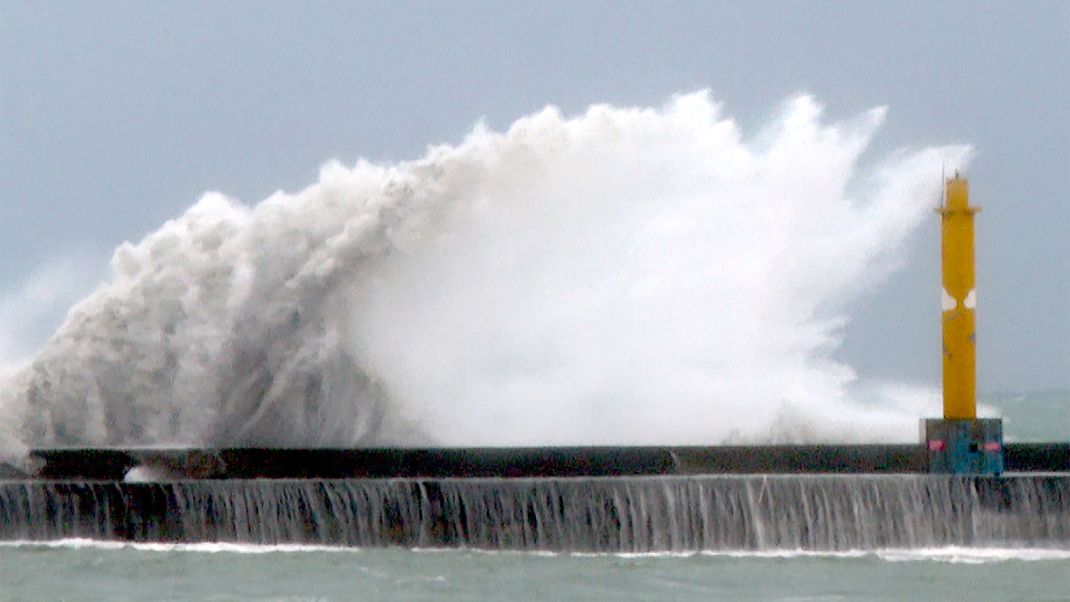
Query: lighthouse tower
point(960, 443)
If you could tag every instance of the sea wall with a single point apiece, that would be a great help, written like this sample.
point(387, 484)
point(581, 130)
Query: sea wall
point(325, 463)
point(624, 514)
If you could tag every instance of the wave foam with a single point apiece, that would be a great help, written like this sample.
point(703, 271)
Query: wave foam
point(952, 554)
point(629, 275)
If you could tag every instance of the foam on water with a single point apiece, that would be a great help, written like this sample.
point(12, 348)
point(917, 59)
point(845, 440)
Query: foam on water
point(628, 275)
point(963, 555)
point(76, 543)
point(949, 554)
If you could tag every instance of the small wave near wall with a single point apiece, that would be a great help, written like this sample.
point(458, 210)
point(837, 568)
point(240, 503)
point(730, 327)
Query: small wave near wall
point(628, 275)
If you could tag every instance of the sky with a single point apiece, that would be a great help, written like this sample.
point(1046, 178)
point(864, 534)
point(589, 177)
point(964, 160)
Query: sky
point(116, 116)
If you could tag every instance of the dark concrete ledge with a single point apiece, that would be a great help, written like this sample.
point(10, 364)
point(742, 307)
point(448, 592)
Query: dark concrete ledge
point(253, 463)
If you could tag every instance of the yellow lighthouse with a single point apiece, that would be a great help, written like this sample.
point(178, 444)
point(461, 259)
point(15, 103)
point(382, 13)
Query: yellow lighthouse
point(960, 443)
point(958, 301)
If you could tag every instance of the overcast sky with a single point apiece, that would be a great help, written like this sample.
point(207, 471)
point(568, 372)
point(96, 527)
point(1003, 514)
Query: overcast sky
point(116, 116)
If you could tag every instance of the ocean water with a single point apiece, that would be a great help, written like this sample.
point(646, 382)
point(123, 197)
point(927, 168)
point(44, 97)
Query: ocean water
point(82, 570)
point(1033, 416)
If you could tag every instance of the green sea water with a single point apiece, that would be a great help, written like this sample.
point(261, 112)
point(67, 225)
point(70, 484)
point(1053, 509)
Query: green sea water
point(85, 571)
point(1034, 416)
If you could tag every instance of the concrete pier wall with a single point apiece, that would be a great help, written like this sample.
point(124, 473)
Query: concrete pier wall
point(247, 463)
point(578, 514)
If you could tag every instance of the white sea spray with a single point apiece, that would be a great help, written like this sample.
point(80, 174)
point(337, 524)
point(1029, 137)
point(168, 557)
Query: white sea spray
point(628, 275)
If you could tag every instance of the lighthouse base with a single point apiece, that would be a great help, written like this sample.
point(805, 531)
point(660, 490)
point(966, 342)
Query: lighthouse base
point(968, 447)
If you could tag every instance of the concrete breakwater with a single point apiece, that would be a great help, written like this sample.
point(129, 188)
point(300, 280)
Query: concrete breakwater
point(621, 514)
point(325, 463)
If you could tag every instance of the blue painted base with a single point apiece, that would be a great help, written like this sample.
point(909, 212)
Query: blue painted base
point(969, 447)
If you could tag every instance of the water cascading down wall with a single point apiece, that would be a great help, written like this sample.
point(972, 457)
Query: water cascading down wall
point(618, 514)
point(817, 497)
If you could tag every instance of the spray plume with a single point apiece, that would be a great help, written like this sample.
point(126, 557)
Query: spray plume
point(625, 276)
